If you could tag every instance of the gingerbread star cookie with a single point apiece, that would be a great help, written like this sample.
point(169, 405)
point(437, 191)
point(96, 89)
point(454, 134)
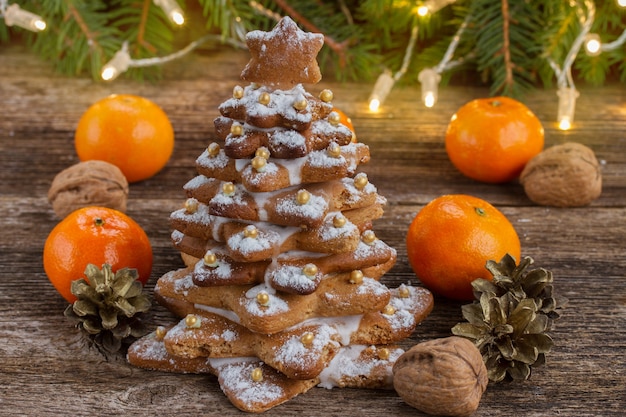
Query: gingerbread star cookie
point(284, 57)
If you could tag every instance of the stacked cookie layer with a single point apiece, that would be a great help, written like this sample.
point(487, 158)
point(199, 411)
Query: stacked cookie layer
point(281, 291)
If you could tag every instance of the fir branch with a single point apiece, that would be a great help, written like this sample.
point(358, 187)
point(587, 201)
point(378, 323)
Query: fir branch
point(508, 64)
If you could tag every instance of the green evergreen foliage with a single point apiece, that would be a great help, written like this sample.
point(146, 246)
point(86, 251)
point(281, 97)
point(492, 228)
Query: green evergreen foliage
point(507, 44)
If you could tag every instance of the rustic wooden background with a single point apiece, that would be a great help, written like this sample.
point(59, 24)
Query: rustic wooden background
point(46, 370)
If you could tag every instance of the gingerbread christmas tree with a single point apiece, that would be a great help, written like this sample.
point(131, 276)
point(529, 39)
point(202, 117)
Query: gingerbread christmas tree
point(282, 287)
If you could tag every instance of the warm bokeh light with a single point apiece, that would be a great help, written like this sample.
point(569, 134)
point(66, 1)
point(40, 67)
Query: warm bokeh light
point(374, 104)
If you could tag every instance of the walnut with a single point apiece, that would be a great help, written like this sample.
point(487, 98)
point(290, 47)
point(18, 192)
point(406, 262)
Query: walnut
point(443, 377)
point(89, 183)
point(566, 175)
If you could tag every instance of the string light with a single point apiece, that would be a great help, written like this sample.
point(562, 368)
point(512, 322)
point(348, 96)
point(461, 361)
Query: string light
point(172, 10)
point(430, 77)
point(432, 6)
point(593, 45)
point(15, 16)
point(122, 61)
point(385, 81)
point(566, 90)
point(567, 105)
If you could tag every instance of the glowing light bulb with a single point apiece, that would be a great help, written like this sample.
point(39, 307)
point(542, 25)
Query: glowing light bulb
point(621, 3)
point(15, 16)
point(593, 45)
point(429, 78)
point(432, 6)
point(383, 86)
point(567, 106)
point(172, 10)
point(117, 65)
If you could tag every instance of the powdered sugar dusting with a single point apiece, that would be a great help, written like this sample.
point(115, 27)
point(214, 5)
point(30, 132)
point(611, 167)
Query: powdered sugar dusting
point(314, 209)
point(293, 351)
point(235, 379)
point(288, 276)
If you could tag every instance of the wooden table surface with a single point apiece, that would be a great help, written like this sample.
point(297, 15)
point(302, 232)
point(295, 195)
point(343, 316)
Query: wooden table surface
point(45, 369)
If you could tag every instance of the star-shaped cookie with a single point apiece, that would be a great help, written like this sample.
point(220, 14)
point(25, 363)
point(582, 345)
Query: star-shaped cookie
point(284, 57)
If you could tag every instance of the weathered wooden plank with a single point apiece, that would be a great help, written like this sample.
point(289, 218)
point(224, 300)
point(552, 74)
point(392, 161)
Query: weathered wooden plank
point(46, 370)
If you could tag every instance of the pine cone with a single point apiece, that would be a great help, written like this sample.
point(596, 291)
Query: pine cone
point(509, 320)
point(107, 305)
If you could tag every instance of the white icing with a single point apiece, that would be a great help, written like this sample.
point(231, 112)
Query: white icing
point(223, 269)
point(222, 312)
point(293, 351)
point(315, 208)
point(289, 276)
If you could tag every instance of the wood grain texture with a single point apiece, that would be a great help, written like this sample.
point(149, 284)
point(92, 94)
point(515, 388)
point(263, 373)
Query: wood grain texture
point(46, 369)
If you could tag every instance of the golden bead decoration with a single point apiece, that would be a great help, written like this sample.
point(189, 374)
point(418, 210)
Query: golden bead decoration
point(191, 205)
point(257, 375)
point(228, 188)
point(262, 152)
point(339, 221)
point(303, 197)
point(356, 277)
point(360, 181)
point(160, 332)
point(334, 118)
point(213, 150)
point(263, 298)
point(389, 310)
point(300, 103)
point(383, 354)
point(310, 270)
point(236, 129)
point(259, 163)
point(368, 237)
point(404, 292)
point(264, 98)
point(251, 232)
point(334, 150)
point(307, 338)
point(192, 321)
point(238, 92)
point(209, 259)
point(326, 96)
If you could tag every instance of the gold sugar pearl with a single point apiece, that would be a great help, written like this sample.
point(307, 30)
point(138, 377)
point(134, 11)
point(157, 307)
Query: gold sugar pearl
point(360, 181)
point(251, 232)
point(310, 270)
point(368, 237)
point(334, 118)
point(339, 221)
point(383, 354)
point(264, 98)
point(237, 92)
point(263, 298)
point(334, 150)
point(262, 152)
point(300, 103)
point(356, 277)
point(326, 96)
point(192, 321)
point(236, 129)
point(307, 338)
point(404, 292)
point(191, 205)
point(303, 197)
point(389, 310)
point(228, 188)
point(259, 163)
point(209, 259)
point(160, 332)
point(257, 375)
point(213, 149)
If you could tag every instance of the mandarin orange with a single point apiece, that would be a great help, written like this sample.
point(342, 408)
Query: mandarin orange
point(95, 235)
point(128, 131)
point(492, 139)
point(451, 239)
